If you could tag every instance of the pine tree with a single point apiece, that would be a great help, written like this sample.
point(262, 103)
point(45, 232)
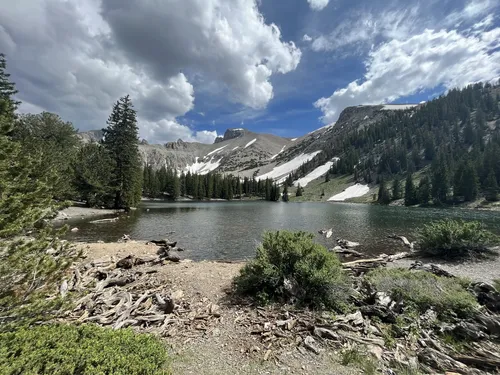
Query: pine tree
point(299, 191)
point(122, 142)
point(410, 191)
point(491, 187)
point(93, 168)
point(27, 273)
point(424, 191)
point(384, 197)
point(285, 196)
point(396, 188)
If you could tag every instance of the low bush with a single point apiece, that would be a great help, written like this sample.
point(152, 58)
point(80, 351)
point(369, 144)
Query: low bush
point(422, 290)
point(291, 266)
point(455, 239)
point(496, 284)
point(80, 350)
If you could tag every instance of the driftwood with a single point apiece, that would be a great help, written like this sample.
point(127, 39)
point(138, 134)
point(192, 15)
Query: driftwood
point(348, 252)
point(164, 242)
point(405, 241)
point(347, 244)
point(102, 221)
point(326, 232)
point(438, 271)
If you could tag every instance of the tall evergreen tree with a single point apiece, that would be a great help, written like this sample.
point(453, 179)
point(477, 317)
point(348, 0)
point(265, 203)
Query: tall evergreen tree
point(491, 187)
point(384, 196)
point(299, 191)
point(424, 190)
point(27, 273)
point(396, 188)
point(410, 191)
point(285, 193)
point(122, 142)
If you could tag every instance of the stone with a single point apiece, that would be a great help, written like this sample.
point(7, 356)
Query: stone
point(75, 229)
point(177, 295)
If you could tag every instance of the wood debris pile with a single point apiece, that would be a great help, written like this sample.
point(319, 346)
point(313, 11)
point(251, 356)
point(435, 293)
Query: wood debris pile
point(415, 342)
point(130, 293)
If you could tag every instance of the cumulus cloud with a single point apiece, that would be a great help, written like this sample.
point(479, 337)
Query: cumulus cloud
point(76, 58)
point(318, 4)
point(307, 38)
point(399, 68)
point(224, 40)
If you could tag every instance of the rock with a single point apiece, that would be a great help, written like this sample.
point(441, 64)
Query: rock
point(383, 299)
point(310, 344)
point(177, 295)
point(63, 289)
point(75, 229)
point(377, 351)
point(438, 271)
point(355, 318)
point(325, 333)
point(126, 263)
point(487, 296)
point(51, 251)
point(173, 257)
point(214, 310)
point(286, 324)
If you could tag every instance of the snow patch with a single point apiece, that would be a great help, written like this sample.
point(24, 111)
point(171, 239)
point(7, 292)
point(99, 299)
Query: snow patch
point(293, 139)
point(318, 172)
point(235, 148)
point(216, 150)
point(281, 172)
point(274, 156)
point(396, 107)
point(202, 167)
point(251, 142)
point(365, 117)
point(354, 191)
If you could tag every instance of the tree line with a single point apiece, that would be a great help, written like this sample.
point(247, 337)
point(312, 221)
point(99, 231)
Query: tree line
point(168, 183)
point(445, 151)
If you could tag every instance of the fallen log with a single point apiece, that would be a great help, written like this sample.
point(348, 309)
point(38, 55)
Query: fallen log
point(438, 271)
point(350, 252)
point(102, 221)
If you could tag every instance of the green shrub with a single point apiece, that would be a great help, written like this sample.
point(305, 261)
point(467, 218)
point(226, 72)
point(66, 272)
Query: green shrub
point(290, 265)
point(80, 350)
point(496, 284)
point(422, 290)
point(455, 238)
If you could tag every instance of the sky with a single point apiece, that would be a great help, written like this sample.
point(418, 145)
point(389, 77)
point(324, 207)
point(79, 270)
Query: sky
point(194, 68)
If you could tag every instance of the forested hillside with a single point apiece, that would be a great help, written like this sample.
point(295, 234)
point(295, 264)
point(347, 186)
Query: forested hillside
point(451, 145)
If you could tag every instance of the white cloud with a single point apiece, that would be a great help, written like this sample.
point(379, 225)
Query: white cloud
point(307, 38)
point(318, 4)
point(170, 130)
point(400, 68)
point(225, 41)
point(76, 58)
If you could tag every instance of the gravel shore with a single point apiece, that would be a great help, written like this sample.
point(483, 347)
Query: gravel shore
point(80, 212)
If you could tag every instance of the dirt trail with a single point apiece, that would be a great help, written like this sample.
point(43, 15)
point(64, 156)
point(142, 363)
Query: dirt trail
point(227, 347)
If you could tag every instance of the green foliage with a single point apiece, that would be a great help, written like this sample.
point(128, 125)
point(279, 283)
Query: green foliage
point(491, 187)
point(27, 273)
point(93, 175)
point(300, 191)
point(455, 238)
point(396, 188)
point(384, 196)
point(363, 361)
point(80, 350)
point(47, 137)
point(291, 264)
point(410, 191)
point(424, 191)
point(422, 290)
point(466, 183)
point(496, 284)
point(122, 142)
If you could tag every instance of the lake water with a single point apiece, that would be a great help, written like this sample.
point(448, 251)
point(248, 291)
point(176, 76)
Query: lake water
point(232, 230)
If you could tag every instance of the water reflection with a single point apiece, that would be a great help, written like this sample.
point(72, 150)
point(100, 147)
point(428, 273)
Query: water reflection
point(231, 230)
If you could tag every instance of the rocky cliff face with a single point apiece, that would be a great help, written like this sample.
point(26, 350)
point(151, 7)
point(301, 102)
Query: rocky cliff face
point(245, 153)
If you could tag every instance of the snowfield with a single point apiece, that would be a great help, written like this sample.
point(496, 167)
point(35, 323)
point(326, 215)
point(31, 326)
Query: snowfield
point(293, 139)
point(354, 191)
point(216, 150)
point(281, 172)
point(203, 168)
point(274, 156)
point(318, 172)
point(250, 143)
point(395, 107)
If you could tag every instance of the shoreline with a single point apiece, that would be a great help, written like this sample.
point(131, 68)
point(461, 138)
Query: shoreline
point(80, 212)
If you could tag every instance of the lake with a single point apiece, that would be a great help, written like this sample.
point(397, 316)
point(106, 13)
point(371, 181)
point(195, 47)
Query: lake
point(232, 230)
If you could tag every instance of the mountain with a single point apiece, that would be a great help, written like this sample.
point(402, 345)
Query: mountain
point(248, 154)
point(450, 146)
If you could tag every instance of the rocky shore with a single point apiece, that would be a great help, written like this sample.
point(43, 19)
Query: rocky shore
point(208, 332)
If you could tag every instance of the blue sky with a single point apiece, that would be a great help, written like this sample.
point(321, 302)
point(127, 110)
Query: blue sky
point(195, 68)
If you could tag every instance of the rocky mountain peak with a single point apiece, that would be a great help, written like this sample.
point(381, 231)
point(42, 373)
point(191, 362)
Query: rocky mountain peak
point(234, 133)
point(178, 145)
